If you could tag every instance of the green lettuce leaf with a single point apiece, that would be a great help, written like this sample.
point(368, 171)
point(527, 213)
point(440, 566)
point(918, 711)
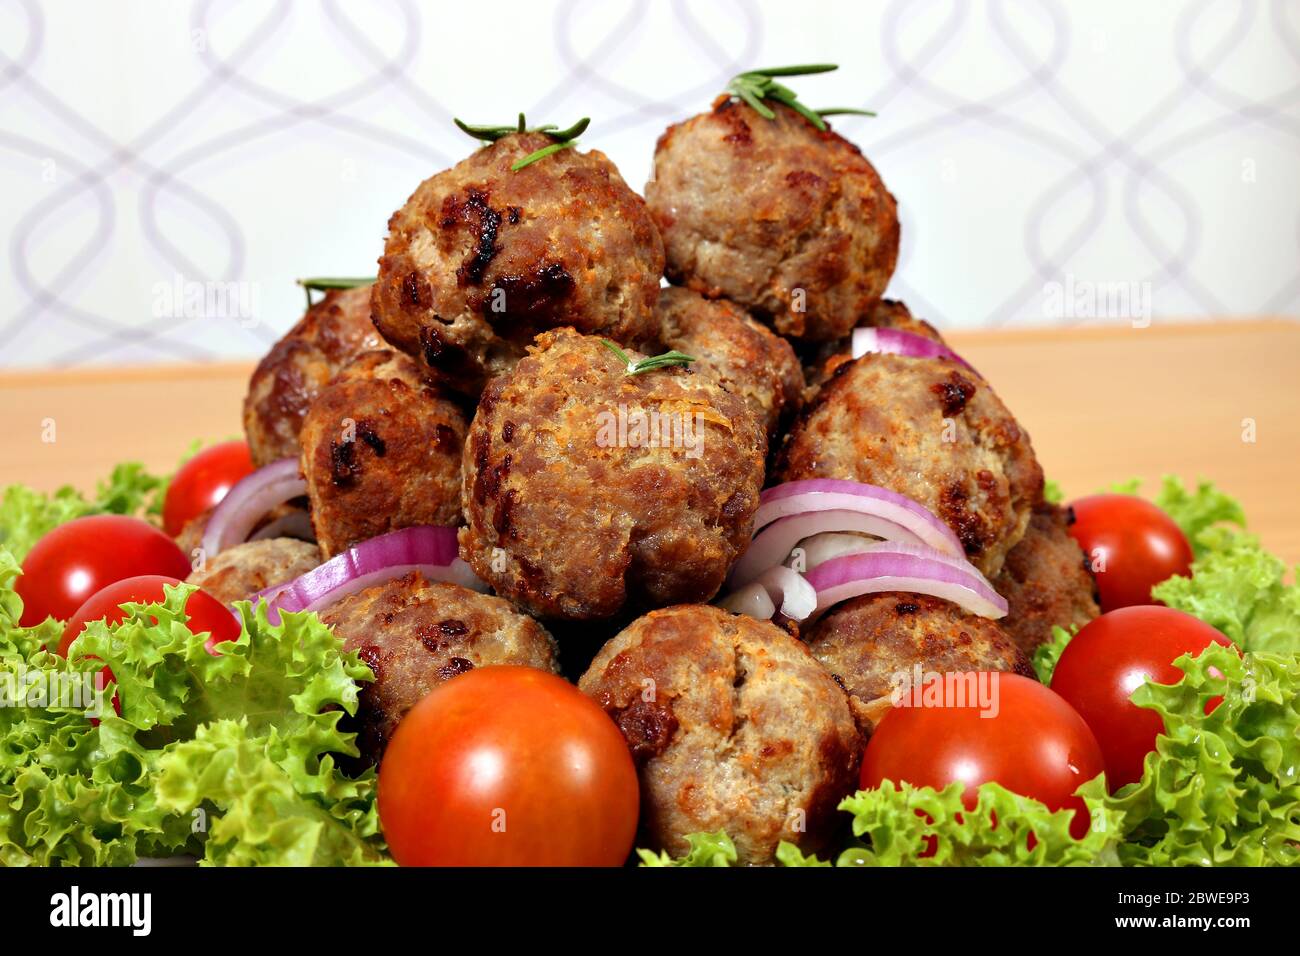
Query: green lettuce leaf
point(906, 825)
point(231, 756)
point(1047, 654)
point(26, 515)
point(1052, 492)
point(1239, 588)
point(706, 849)
point(1219, 789)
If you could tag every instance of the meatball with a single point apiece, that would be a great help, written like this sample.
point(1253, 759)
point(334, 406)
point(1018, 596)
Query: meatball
point(381, 451)
point(876, 643)
point(238, 573)
point(482, 258)
point(788, 221)
point(1046, 580)
point(587, 489)
point(333, 332)
point(821, 361)
point(415, 634)
point(733, 727)
point(932, 430)
point(749, 358)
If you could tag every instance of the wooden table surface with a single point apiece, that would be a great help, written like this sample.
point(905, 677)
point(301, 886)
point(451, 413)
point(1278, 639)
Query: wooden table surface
point(1101, 405)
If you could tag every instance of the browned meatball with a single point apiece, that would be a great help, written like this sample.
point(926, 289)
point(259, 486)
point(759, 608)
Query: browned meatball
point(333, 332)
point(733, 727)
point(821, 362)
point(749, 358)
point(874, 643)
point(1046, 580)
point(381, 451)
point(576, 507)
point(929, 429)
point(790, 222)
point(415, 634)
point(482, 258)
point(240, 572)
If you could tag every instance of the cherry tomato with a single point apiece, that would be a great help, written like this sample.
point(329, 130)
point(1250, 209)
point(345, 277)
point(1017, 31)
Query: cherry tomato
point(1131, 546)
point(81, 557)
point(1027, 739)
point(508, 766)
point(203, 481)
point(1110, 658)
point(205, 612)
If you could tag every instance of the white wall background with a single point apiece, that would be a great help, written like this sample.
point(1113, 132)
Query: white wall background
point(1033, 146)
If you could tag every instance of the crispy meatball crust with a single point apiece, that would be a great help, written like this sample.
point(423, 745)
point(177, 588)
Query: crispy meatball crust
point(416, 634)
point(929, 429)
point(748, 357)
point(241, 571)
point(482, 258)
point(571, 519)
point(1046, 580)
point(381, 451)
point(733, 726)
point(870, 642)
point(790, 222)
point(333, 332)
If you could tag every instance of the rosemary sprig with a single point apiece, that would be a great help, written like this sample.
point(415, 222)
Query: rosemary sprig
point(647, 364)
point(328, 283)
point(564, 138)
point(755, 86)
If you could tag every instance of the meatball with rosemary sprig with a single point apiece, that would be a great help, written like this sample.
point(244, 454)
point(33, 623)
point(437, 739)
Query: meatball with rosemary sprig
point(598, 480)
point(334, 331)
point(526, 234)
point(759, 201)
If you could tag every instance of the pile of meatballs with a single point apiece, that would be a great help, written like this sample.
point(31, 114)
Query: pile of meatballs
point(464, 388)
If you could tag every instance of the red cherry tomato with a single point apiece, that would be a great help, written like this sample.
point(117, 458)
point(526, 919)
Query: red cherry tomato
point(1131, 546)
point(508, 766)
point(205, 613)
point(81, 557)
point(1110, 658)
point(203, 481)
point(1028, 740)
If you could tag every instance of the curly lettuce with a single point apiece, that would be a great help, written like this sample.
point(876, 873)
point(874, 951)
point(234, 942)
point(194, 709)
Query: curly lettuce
point(230, 757)
point(1219, 789)
point(26, 515)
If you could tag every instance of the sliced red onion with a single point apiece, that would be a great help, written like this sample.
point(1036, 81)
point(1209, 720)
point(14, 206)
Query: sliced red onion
point(897, 342)
point(838, 494)
point(825, 547)
point(428, 549)
point(248, 502)
point(887, 567)
point(295, 523)
point(752, 600)
point(773, 545)
point(789, 591)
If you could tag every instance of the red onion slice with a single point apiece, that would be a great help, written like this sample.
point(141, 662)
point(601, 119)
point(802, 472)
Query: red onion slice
point(890, 568)
point(790, 592)
point(428, 549)
point(837, 494)
point(248, 502)
point(773, 545)
point(752, 600)
point(897, 342)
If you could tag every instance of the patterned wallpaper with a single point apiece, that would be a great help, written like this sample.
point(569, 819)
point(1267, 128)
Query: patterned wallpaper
point(168, 168)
